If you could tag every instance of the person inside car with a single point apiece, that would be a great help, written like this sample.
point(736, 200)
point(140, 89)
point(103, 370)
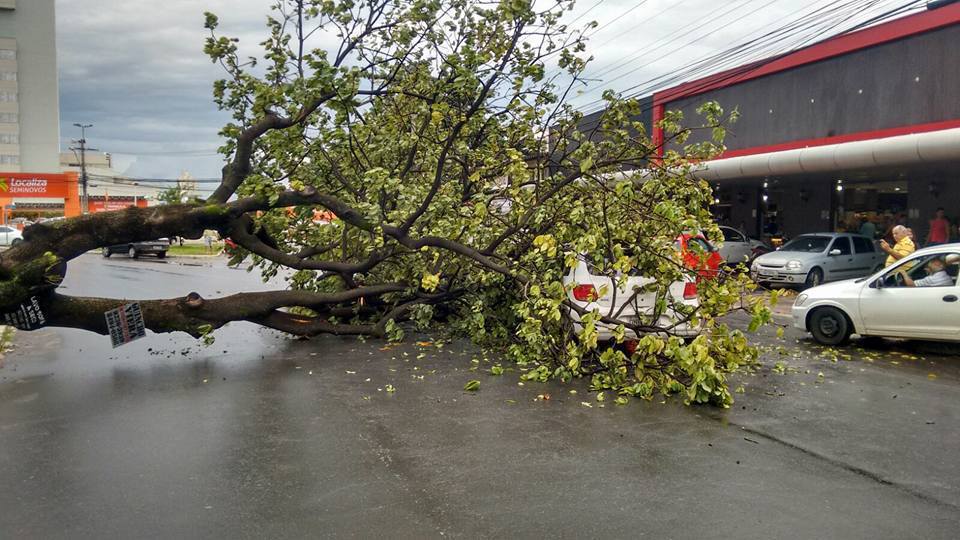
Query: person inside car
point(937, 275)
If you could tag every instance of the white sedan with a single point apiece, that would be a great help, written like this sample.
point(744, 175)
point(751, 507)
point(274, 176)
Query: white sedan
point(737, 247)
point(10, 236)
point(916, 297)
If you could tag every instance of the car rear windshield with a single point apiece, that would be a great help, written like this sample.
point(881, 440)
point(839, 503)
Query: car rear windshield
point(807, 244)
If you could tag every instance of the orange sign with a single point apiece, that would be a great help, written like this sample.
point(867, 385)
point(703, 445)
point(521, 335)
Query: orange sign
point(113, 204)
point(13, 185)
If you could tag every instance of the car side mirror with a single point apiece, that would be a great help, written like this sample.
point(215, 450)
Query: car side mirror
point(834, 252)
point(878, 283)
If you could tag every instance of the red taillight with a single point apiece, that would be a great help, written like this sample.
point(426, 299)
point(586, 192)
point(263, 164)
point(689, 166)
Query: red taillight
point(585, 293)
point(631, 345)
point(690, 290)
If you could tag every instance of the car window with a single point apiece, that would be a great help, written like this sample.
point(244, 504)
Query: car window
point(862, 245)
point(843, 244)
point(604, 267)
point(918, 269)
point(5, 229)
point(698, 245)
point(731, 235)
point(807, 244)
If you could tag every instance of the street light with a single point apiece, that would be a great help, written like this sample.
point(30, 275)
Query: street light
point(83, 127)
point(83, 163)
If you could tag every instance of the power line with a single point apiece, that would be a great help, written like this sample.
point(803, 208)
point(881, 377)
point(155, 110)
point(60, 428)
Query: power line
point(173, 180)
point(739, 56)
point(193, 153)
point(580, 16)
point(687, 44)
point(820, 21)
point(637, 25)
point(736, 54)
point(613, 66)
point(618, 18)
point(710, 62)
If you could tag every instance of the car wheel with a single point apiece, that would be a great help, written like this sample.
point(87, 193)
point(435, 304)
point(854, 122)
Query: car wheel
point(106, 252)
point(161, 254)
point(132, 252)
point(830, 326)
point(16, 241)
point(814, 278)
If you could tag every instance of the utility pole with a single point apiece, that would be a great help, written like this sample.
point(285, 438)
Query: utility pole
point(84, 201)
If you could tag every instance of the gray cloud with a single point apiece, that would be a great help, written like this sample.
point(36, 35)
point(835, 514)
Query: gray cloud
point(136, 70)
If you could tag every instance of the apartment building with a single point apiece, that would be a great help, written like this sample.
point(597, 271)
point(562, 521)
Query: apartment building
point(29, 93)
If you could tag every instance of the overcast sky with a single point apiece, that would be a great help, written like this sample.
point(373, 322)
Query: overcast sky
point(136, 70)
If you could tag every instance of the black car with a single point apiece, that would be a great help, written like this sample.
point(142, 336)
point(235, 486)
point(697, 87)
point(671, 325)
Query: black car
point(133, 250)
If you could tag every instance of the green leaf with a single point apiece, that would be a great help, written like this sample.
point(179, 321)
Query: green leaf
point(586, 164)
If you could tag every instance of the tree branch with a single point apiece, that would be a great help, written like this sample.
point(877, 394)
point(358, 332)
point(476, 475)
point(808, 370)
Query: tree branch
point(190, 313)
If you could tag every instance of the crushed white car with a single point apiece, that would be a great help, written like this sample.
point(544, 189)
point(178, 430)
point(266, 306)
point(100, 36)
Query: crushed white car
point(629, 300)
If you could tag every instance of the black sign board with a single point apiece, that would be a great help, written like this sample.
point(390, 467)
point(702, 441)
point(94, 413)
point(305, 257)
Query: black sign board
point(125, 324)
point(27, 317)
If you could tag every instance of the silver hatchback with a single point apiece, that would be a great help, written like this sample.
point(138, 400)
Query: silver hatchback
point(812, 259)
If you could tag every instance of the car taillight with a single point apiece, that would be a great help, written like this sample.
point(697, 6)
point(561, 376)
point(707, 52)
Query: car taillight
point(631, 345)
point(690, 290)
point(585, 293)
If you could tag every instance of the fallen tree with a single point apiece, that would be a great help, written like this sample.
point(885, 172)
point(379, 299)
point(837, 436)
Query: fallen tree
point(438, 134)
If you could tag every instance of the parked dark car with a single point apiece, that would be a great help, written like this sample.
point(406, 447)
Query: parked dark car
point(157, 247)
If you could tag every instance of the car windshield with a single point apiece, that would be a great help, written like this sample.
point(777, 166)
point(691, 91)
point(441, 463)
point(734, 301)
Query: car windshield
point(807, 244)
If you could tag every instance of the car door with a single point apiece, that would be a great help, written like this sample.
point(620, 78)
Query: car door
point(890, 309)
point(838, 266)
point(736, 246)
point(865, 256)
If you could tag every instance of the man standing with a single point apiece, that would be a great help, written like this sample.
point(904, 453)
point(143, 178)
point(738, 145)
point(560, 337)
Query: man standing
point(903, 247)
point(939, 232)
point(867, 228)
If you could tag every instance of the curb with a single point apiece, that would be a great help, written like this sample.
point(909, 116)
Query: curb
point(213, 256)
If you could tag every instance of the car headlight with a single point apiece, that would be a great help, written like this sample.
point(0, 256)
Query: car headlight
point(755, 266)
point(800, 300)
point(794, 265)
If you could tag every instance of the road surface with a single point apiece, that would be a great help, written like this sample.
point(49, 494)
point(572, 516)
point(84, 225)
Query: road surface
point(259, 435)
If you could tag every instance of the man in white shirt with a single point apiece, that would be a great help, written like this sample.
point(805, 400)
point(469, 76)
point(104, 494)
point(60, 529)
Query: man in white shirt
point(937, 275)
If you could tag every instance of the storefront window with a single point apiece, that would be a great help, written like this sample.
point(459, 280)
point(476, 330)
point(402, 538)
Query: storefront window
point(871, 208)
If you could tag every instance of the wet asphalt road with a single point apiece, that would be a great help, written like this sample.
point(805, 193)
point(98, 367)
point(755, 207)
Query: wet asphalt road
point(263, 436)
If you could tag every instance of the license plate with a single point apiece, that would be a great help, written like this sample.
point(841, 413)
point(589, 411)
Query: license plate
point(769, 273)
